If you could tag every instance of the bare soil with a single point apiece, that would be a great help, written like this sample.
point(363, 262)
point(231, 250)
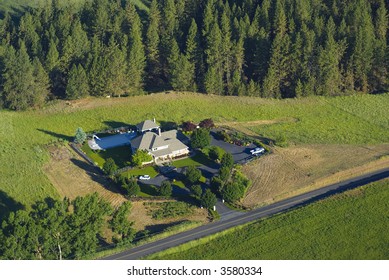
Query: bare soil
point(289, 171)
point(144, 221)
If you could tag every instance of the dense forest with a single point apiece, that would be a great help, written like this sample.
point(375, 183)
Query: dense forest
point(267, 48)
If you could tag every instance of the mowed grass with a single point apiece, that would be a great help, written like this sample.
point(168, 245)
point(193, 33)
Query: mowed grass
point(342, 120)
point(352, 225)
point(24, 135)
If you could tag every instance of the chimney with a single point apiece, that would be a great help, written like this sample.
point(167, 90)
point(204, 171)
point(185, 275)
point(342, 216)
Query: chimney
point(154, 120)
point(159, 131)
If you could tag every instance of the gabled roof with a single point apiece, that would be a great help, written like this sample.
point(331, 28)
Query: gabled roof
point(151, 140)
point(146, 125)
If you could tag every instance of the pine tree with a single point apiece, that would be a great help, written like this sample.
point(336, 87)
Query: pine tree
point(152, 44)
point(329, 59)
point(18, 77)
point(77, 86)
point(41, 83)
point(214, 75)
point(136, 57)
point(115, 70)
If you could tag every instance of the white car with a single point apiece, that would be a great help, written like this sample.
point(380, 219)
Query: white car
point(257, 151)
point(144, 177)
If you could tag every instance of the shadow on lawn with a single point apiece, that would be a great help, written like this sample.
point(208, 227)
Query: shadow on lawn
point(95, 174)
point(115, 124)
point(57, 135)
point(8, 204)
point(161, 227)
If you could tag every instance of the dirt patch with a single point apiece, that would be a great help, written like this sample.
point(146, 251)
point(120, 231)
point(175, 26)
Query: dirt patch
point(72, 176)
point(290, 171)
point(143, 220)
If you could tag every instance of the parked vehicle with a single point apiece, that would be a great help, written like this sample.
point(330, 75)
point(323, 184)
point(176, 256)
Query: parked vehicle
point(144, 177)
point(257, 151)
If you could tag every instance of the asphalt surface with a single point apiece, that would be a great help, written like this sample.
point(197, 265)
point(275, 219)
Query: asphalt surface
point(235, 220)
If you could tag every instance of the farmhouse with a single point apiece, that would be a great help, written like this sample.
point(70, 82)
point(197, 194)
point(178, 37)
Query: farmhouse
point(162, 146)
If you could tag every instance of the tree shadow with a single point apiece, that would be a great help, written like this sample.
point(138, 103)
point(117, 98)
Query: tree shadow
point(95, 174)
point(57, 135)
point(168, 125)
point(116, 124)
point(8, 204)
point(153, 229)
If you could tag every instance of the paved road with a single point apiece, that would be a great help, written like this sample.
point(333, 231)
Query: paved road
point(281, 206)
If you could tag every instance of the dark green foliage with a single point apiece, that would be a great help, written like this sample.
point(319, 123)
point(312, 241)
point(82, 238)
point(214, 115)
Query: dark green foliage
point(200, 138)
point(192, 174)
point(77, 86)
point(264, 48)
point(216, 183)
point(227, 160)
point(196, 190)
point(224, 173)
point(131, 187)
point(80, 136)
point(165, 189)
point(110, 167)
point(216, 153)
point(51, 231)
point(208, 199)
point(140, 157)
point(235, 188)
point(121, 225)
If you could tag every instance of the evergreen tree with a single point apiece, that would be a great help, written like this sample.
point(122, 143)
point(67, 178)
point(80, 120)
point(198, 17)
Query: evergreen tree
point(77, 86)
point(41, 83)
point(152, 44)
point(136, 57)
point(18, 77)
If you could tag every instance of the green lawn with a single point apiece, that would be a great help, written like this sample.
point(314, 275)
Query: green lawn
point(121, 155)
point(150, 170)
point(352, 225)
point(358, 119)
point(197, 160)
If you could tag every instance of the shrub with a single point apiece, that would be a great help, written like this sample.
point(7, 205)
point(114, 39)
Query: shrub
point(224, 173)
point(188, 126)
point(166, 188)
point(200, 138)
point(80, 136)
point(216, 153)
point(132, 188)
point(208, 199)
point(193, 174)
point(216, 183)
point(227, 160)
point(233, 191)
point(140, 157)
point(207, 123)
point(110, 167)
point(196, 190)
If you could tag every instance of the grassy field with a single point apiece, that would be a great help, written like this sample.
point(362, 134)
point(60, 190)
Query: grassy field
point(352, 225)
point(24, 135)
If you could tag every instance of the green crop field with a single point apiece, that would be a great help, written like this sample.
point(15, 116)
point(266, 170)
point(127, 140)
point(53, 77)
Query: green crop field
point(358, 119)
point(352, 225)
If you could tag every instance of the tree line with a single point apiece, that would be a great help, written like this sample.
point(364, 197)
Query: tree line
point(63, 229)
point(267, 48)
